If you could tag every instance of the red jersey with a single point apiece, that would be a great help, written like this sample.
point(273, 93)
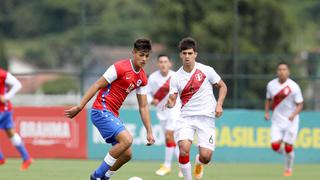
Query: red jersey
point(3, 89)
point(122, 79)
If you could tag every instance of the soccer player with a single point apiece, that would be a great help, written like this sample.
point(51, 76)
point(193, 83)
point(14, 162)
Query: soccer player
point(158, 93)
point(6, 120)
point(115, 84)
point(194, 82)
point(285, 99)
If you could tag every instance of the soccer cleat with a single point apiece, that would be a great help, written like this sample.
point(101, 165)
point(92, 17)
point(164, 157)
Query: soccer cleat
point(180, 175)
point(2, 161)
point(94, 178)
point(25, 164)
point(163, 170)
point(287, 173)
point(198, 171)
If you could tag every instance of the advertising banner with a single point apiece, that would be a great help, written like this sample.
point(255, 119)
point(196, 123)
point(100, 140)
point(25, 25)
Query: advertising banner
point(48, 134)
point(241, 136)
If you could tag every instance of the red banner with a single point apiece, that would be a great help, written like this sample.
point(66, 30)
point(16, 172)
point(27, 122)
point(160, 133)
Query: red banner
point(48, 134)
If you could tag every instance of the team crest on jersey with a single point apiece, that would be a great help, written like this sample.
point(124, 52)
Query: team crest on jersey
point(286, 90)
point(199, 77)
point(139, 82)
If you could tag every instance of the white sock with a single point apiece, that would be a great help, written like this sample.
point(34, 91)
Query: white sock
point(109, 160)
point(168, 156)
point(176, 152)
point(186, 171)
point(110, 173)
point(289, 158)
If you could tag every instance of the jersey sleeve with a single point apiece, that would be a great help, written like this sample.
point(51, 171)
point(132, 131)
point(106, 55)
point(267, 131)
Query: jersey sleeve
point(142, 90)
point(298, 96)
point(268, 93)
point(15, 86)
point(111, 74)
point(173, 85)
point(213, 76)
point(149, 90)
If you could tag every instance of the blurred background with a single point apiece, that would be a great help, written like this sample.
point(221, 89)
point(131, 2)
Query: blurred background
point(58, 48)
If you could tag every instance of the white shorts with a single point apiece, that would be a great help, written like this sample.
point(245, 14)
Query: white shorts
point(168, 125)
point(286, 134)
point(203, 126)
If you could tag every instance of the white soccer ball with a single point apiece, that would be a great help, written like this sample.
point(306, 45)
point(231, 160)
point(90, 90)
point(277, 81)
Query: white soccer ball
point(135, 178)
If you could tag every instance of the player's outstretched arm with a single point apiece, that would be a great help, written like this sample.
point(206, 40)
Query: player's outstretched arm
point(222, 95)
point(100, 83)
point(145, 116)
point(267, 109)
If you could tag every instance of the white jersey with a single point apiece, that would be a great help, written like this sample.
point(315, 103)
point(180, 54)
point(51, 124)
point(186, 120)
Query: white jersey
point(195, 90)
point(284, 98)
point(158, 88)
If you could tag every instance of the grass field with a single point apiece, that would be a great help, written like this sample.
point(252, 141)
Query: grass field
point(47, 169)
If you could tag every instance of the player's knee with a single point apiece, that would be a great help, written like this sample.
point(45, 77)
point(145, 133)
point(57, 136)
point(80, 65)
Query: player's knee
point(288, 148)
point(184, 151)
point(126, 140)
point(16, 140)
point(275, 146)
point(205, 159)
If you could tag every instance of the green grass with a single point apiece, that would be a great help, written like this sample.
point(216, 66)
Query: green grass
point(58, 169)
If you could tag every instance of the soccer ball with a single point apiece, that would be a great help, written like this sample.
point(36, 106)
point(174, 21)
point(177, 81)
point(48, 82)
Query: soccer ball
point(135, 178)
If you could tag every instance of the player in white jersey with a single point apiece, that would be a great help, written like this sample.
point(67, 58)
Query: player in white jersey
point(285, 98)
point(158, 93)
point(194, 82)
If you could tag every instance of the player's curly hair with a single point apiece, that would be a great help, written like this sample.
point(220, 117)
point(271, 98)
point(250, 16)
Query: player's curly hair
point(188, 43)
point(142, 44)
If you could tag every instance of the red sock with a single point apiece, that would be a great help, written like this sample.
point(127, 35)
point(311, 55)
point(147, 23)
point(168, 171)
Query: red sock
point(184, 159)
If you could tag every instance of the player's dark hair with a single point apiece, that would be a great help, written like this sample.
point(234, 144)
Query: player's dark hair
point(142, 44)
point(188, 43)
point(163, 55)
point(283, 63)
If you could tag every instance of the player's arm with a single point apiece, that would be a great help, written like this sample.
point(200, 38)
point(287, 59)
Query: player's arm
point(100, 83)
point(15, 85)
point(145, 116)
point(222, 95)
point(267, 103)
point(298, 109)
point(173, 93)
point(299, 104)
point(267, 106)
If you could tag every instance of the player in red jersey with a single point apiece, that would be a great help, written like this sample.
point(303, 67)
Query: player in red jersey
point(6, 120)
point(194, 82)
point(116, 83)
point(285, 99)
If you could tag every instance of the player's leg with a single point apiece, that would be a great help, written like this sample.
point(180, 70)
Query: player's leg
point(165, 168)
point(124, 140)
point(206, 144)
point(289, 139)
point(2, 125)
point(184, 136)
point(124, 158)
point(17, 141)
point(276, 134)
point(113, 131)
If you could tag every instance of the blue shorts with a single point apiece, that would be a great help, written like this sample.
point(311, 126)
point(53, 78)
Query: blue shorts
point(6, 120)
point(107, 124)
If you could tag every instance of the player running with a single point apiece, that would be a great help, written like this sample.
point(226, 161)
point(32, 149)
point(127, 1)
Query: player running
point(158, 93)
point(285, 98)
point(193, 82)
point(6, 119)
point(115, 84)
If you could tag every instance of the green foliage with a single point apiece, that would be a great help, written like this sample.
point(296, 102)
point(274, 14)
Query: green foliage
point(3, 58)
point(62, 85)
